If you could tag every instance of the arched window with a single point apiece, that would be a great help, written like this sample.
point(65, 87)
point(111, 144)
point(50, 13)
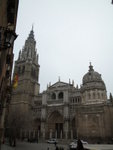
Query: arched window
point(93, 95)
point(31, 71)
point(98, 95)
point(23, 69)
point(19, 70)
point(102, 95)
point(53, 96)
point(60, 95)
point(34, 73)
point(78, 100)
point(89, 96)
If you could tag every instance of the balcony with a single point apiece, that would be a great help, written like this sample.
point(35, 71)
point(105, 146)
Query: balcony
point(56, 101)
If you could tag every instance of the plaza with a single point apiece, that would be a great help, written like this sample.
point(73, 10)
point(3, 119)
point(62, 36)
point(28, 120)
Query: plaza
point(45, 146)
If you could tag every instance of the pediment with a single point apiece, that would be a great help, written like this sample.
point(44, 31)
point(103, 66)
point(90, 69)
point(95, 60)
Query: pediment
point(59, 84)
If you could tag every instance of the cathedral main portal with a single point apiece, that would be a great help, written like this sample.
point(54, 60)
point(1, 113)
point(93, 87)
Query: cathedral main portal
point(55, 125)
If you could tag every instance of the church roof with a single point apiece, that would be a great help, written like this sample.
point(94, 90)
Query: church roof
point(60, 84)
point(91, 75)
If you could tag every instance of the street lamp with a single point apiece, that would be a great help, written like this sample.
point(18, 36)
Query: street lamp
point(7, 37)
point(10, 36)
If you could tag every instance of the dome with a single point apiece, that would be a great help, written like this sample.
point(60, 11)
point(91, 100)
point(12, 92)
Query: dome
point(91, 75)
point(92, 79)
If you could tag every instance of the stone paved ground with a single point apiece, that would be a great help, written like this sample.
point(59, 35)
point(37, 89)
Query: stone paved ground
point(44, 146)
point(100, 146)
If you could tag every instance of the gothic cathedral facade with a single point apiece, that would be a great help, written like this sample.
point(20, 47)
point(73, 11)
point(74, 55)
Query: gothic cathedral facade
point(62, 111)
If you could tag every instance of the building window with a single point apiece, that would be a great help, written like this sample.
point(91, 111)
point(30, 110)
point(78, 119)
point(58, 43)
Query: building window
point(93, 95)
point(23, 69)
point(89, 96)
point(78, 100)
point(33, 73)
point(102, 95)
point(98, 95)
point(60, 95)
point(53, 96)
point(19, 70)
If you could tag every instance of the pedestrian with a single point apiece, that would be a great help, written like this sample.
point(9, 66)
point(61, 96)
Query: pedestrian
point(79, 145)
point(55, 143)
point(57, 148)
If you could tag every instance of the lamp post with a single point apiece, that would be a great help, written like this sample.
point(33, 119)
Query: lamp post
point(7, 37)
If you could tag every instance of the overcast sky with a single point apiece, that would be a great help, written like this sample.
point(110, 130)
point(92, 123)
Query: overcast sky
point(69, 34)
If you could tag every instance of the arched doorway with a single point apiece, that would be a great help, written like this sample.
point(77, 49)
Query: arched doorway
point(55, 125)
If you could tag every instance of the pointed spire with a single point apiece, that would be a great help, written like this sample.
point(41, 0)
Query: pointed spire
point(59, 79)
point(69, 81)
point(32, 27)
point(73, 82)
point(31, 35)
point(47, 86)
point(77, 86)
point(110, 96)
point(90, 63)
point(19, 56)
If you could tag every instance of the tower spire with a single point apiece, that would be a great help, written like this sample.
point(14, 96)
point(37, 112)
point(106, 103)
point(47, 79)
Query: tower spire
point(90, 63)
point(32, 27)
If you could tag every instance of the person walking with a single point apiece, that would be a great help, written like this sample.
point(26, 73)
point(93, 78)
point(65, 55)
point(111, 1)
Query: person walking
point(79, 145)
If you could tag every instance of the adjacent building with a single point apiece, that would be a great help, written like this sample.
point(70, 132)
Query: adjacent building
point(8, 17)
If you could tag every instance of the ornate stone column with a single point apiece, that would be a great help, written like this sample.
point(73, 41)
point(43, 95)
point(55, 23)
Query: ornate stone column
point(29, 134)
point(66, 128)
point(71, 134)
point(86, 124)
point(50, 134)
point(38, 134)
point(43, 129)
point(61, 134)
point(66, 114)
point(86, 96)
point(56, 134)
point(43, 115)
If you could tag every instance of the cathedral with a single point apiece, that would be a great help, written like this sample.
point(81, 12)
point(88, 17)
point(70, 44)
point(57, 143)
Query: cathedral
point(62, 111)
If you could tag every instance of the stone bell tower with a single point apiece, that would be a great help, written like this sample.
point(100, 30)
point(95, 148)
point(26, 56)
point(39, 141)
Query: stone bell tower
point(27, 70)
